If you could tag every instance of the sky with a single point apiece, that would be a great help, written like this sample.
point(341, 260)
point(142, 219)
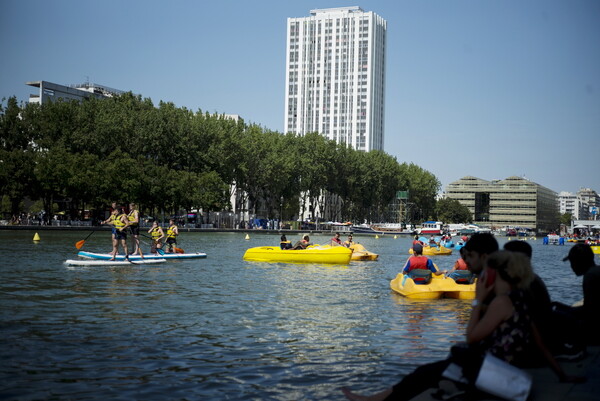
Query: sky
point(490, 89)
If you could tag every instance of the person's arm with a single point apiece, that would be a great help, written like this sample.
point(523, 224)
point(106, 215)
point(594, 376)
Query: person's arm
point(162, 234)
point(406, 266)
point(125, 220)
point(479, 327)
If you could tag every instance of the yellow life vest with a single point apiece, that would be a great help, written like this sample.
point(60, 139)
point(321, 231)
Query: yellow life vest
point(118, 223)
point(155, 234)
point(132, 217)
point(171, 232)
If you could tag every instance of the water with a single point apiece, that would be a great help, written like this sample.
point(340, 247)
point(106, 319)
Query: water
point(220, 328)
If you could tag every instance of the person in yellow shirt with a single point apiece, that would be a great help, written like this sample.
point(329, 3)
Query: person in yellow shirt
point(134, 226)
point(157, 234)
point(172, 233)
point(120, 222)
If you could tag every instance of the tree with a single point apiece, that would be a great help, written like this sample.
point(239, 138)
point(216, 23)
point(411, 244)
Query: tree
point(451, 211)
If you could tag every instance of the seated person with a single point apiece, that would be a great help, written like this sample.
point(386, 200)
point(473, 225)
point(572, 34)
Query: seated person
point(336, 241)
point(460, 272)
point(418, 261)
point(349, 242)
point(303, 243)
point(582, 262)
point(285, 244)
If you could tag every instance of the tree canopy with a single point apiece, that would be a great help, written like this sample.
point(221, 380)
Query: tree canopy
point(88, 154)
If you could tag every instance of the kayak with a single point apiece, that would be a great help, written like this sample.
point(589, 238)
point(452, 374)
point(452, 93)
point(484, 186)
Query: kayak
point(312, 254)
point(359, 252)
point(147, 256)
point(95, 262)
point(434, 250)
point(431, 286)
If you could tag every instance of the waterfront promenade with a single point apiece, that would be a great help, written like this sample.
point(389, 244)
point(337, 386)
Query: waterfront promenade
point(546, 386)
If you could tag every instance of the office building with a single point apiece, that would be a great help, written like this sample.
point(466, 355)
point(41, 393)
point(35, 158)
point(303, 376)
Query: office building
point(512, 202)
point(573, 204)
point(48, 91)
point(335, 76)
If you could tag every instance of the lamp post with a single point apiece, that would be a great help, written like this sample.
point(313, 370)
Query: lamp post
point(281, 212)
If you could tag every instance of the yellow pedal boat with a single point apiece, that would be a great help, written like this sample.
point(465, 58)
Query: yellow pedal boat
point(438, 287)
point(359, 252)
point(434, 250)
point(596, 249)
point(312, 254)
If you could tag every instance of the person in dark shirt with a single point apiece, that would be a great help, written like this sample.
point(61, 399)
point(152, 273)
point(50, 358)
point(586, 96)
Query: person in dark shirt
point(582, 262)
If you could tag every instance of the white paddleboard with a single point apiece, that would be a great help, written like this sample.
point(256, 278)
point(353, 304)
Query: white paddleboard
point(92, 262)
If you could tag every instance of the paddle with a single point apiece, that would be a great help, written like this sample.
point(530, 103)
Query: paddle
point(158, 250)
point(79, 244)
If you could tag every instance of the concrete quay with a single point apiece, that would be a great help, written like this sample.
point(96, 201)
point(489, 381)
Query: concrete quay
point(546, 386)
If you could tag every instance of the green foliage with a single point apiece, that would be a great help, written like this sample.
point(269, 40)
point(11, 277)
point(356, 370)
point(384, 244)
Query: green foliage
point(451, 211)
point(88, 154)
point(566, 219)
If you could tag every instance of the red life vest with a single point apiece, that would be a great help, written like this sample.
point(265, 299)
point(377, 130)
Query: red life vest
point(418, 262)
point(460, 264)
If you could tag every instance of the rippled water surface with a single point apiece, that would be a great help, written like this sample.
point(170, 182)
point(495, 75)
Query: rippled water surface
point(220, 327)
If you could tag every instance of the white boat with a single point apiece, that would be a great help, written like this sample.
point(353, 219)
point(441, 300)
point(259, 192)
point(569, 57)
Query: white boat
point(431, 228)
point(96, 262)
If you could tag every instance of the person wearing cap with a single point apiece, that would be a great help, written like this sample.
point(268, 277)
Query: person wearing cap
point(419, 261)
point(582, 262)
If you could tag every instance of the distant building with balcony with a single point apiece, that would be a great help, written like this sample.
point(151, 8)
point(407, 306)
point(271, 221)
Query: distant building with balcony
point(512, 202)
point(573, 204)
point(48, 91)
point(592, 201)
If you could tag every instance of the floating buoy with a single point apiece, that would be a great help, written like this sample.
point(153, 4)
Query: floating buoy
point(395, 236)
point(376, 236)
point(36, 237)
point(247, 236)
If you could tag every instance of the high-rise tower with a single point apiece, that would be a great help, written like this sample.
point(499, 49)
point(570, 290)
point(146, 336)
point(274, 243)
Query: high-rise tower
point(335, 76)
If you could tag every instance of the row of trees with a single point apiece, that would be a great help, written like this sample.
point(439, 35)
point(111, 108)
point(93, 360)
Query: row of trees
point(167, 158)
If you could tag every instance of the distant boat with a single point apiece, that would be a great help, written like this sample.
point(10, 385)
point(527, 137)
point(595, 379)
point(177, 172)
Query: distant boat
point(431, 228)
point(382, 229)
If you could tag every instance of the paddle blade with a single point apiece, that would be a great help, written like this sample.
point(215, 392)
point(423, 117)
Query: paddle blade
point(160, 251)
point(179, 250)
point(79, 244)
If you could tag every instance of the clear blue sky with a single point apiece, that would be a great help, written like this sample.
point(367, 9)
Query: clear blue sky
point(490, 88)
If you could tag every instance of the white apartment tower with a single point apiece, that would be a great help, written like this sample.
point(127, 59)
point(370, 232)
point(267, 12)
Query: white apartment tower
point(335, 76)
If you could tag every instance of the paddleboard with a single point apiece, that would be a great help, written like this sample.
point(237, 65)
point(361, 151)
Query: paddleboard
point(94, 262)
point(106, 256)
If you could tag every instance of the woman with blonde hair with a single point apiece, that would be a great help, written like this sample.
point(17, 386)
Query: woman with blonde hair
point(503, 328)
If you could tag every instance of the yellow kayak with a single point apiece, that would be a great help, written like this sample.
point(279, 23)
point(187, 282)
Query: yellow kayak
point(434, 250)
point(359, 252)
point(596, 249)
point(312, 254)
point(436, 287)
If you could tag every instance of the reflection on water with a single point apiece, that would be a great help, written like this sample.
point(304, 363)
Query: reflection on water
point(221, 327)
